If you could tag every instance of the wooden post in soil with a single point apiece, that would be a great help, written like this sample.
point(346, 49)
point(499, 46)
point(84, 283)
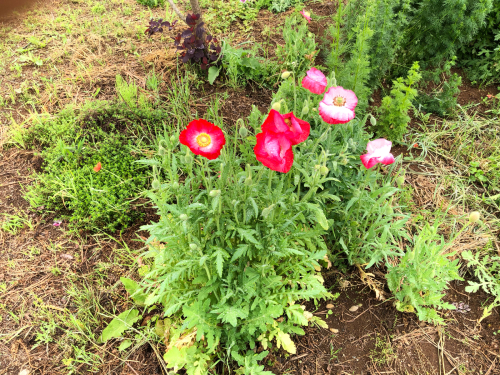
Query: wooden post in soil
point(195, 6)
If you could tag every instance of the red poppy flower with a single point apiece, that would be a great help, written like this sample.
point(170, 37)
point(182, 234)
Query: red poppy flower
point(203, 138)
point(293, 128)
point(274, 150)
point(98, 167)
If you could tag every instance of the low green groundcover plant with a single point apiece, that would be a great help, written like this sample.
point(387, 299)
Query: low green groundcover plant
point(90, 173)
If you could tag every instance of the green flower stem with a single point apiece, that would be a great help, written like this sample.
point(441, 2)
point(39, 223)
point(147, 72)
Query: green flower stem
point(270, 181)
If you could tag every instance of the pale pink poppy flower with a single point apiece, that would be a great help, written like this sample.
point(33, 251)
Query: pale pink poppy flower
point(337, 106)
point(306, 15)
point(314, 81)
point(379, 151)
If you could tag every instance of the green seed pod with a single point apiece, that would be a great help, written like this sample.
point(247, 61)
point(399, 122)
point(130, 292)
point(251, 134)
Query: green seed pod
point(188, 158)
point(175, 185)
point(243, 132)
point(214, 193)
point(156, 184)
point(183, 217)
point(474, 216)
point(285, 75)
point(276, 106)
point(324, 170)
point(193, 246)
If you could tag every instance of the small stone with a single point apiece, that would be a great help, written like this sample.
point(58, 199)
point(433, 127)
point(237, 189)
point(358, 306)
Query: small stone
point(422, 324)
point(334, 330)
point(24, 372)
point(330, 306)
point(354, 308)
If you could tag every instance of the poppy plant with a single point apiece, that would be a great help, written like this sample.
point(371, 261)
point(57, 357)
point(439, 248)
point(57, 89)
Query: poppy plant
point(293, 128)
point(314, 81)
point(337, 106)
point(274, 150)
point(379, 151)
point(203, 138)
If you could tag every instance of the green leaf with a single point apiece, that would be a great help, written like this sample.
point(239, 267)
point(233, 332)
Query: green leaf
point(321, 218)
point(213, 73)
point(124, 345)
point(134, 290)
point(250, 62)
point(284, 340)
point(219, 261)
point(119, 325)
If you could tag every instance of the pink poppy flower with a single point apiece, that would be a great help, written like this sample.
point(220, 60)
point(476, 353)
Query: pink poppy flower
point(292, 127)
point(314, 81)
point(306, 15)
point(337, 106)
point(274, 150)
point(203, 138)
point(379, 151)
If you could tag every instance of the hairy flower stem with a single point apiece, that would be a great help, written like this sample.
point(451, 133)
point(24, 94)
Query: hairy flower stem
point(270, 181)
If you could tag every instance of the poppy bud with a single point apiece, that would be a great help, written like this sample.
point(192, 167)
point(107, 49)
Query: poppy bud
point(161, 151)
point(193, 246)
point(324, 170)
point(389, 210)
point(266, 211)
point(248, 181)
point(173, 138)
point(183, 217)
point(373, 120)
point(296, 179)
point(233, 202)
point(285, 75)
point(214, 193)
point(182, 158)
point(317, 167)
point(474, 216)
point(276, 106)
point(188, 159)
point(156, 184)
point(305, 109)
point(243, 132)
point(400, 180)
point(175, 185)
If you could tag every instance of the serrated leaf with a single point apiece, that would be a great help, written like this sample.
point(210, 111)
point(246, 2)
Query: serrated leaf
point(321, 218)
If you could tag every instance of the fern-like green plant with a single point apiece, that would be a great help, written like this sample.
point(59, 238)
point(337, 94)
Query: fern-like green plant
point(393, 113)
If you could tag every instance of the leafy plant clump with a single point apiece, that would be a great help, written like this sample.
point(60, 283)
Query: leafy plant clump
point(393, 113)
point(152, 3)
point(195, 44)
point(421, 275)
point(90, 173)
point(442, 100)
